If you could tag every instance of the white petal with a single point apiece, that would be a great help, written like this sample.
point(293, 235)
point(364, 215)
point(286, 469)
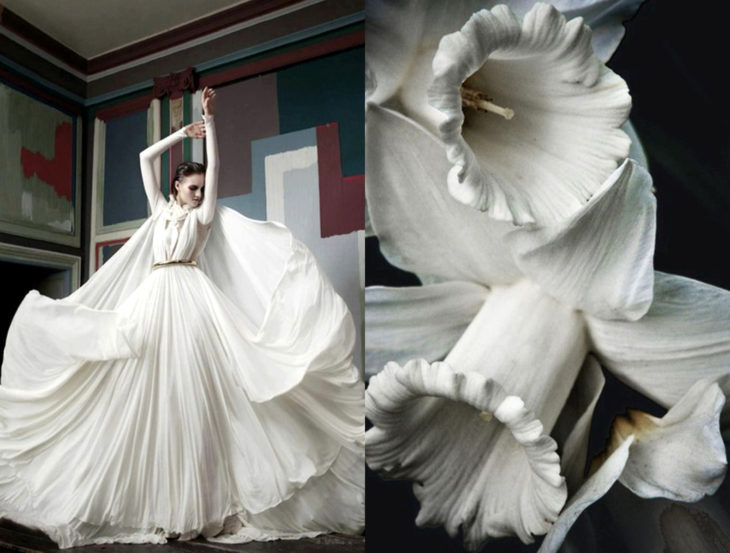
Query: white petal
point(605, 18)
point(684, 337)
point(680, 456)
point(565, 138)
point(420, 321)
point(419, 225)
point(480, 459)
point(600, 260)
point(533, 345)
point(636, 152)
point(572, 430)
point(393, 48)
point(592, 490)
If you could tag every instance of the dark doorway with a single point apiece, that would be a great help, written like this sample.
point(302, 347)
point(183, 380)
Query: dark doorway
point(20, 278)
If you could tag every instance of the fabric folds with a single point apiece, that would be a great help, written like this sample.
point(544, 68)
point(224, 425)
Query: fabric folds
point(184, 400)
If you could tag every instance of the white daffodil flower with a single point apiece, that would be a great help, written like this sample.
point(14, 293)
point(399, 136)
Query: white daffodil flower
point(493, 365)
point(402, 36)
point(530, 117)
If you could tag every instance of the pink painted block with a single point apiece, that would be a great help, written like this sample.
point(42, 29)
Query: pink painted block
point(57, 171)
point(341, 200)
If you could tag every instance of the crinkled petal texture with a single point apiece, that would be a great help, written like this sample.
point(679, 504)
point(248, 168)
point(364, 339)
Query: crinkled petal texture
point(420, 227)
point(419, 321)
point(680, 456)
point(565, 138)
point(683, 338)
point(479, 456)
point(605, 18)
point(393, 50)
point(601, 259)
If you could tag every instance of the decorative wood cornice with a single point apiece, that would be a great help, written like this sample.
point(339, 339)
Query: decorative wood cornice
point(174, 84)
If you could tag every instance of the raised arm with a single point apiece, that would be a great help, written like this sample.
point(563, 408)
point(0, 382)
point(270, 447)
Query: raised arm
point(207, 207)
point(147, 159)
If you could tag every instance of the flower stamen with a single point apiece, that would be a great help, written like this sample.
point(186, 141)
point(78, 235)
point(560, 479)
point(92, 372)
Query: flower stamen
point(486, 416)
point(479, 101)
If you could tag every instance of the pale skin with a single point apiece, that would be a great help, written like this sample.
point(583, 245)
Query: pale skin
point(190, 188)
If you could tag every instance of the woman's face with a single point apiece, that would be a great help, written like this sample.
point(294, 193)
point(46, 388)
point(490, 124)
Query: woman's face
point(190, 190)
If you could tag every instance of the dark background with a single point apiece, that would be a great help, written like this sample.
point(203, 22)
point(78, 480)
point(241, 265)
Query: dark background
point(674, 59)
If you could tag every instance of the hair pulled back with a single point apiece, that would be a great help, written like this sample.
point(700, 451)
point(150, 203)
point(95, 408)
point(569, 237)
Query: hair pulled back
point(185, 169)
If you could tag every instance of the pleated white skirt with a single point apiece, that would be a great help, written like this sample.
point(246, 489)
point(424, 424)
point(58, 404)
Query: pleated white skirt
point(167, 441)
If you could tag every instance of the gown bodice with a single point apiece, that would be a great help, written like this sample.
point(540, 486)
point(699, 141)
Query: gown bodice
point(179, 235)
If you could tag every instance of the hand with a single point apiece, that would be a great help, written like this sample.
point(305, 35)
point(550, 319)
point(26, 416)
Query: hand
point(195, 130)
point(208, 101)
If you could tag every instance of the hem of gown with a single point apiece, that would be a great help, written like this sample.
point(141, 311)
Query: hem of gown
point(65, 536)
point(224, 533)
point(29, 518)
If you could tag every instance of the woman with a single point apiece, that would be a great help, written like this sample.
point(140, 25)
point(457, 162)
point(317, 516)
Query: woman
point(200, 383)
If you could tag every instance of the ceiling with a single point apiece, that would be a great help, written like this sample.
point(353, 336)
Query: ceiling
point(94, 27)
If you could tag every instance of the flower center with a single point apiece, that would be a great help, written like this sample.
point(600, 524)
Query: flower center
point(477, 100)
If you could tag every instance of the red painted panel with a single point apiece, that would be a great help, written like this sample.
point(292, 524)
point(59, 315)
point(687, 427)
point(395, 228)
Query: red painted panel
point(100, 246)
point(57, 171)
point(341, 200)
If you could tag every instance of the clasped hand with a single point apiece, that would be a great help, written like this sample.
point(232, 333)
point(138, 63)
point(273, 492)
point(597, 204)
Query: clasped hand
point(197, 129)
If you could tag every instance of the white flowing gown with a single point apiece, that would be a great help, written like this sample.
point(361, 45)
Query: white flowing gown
point(217, 399)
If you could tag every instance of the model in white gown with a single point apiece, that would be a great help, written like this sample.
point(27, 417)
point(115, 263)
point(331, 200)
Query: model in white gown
point(216, 399)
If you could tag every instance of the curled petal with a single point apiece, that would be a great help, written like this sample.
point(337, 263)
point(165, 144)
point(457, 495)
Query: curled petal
point(605, 17)
point(572, 430)
point(394, 49)
point(683, 338)
point(419, 225)
point(558, 138)
point(591, 491)
point(636, 152)
point(680, 456)
point(478, 456)
point(403, 323)
point(601, 259)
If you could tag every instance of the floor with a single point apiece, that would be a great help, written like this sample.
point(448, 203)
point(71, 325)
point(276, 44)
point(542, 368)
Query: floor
point(18, 538)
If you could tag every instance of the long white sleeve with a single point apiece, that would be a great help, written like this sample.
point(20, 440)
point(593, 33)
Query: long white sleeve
point(147, 164)
point(207, 208)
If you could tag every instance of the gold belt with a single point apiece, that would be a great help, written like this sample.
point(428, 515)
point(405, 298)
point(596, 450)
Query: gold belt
point(190, 262)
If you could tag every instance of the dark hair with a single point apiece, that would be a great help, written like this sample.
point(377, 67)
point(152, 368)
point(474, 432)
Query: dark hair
point(185, 169)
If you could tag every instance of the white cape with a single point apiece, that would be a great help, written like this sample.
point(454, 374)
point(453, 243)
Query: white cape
point(184, 400)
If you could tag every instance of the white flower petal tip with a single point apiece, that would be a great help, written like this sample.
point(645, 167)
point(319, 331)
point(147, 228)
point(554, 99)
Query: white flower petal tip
point(683, 338)
point(599, 260)
point(591, 491)
point(531, 119)
point(479, 458)
point(680, 456)
point(426, 321)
